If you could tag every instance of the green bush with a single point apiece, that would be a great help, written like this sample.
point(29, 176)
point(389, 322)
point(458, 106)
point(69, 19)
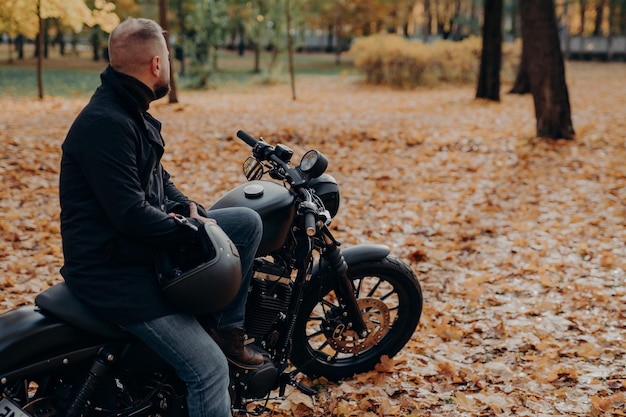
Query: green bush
point(396, 61)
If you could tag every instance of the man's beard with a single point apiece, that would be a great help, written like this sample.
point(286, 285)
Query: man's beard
point(161, 90)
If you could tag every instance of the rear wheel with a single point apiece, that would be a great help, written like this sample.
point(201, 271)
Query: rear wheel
point(390, 300)
point(120, 394)
point(43, 395)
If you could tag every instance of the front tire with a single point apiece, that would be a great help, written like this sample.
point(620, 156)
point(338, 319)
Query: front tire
point(390, 300)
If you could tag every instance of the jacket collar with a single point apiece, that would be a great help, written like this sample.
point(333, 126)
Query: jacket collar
point(135, 100)
point(135, 95)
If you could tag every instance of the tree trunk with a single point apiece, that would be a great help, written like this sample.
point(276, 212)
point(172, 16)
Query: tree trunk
point(597, 30)
point(455, 24)
point(521, 85)
point(173, 96)
point(515, 19)
point(46, 39)
point(474, 17)
point(19, 46)
point(40, 52)
point(181, 42)
point(583, 14)
point(546, 69)
point(566, 34)
point(95, 42)
point(611, 20)
point(10, 52)
point(428, 21)
point(491, 56)
point(257, 57)
point(329, 38)
point(339, 40)
point(622, 23)
point(292, 76)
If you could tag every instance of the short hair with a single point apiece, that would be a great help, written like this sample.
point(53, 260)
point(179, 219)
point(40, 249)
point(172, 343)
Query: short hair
point(133, 43)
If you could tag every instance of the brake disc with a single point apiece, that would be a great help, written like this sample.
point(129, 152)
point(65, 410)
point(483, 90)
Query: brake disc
point(376, 317)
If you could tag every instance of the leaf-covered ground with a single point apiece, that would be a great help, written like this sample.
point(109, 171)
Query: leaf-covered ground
point(518, 242)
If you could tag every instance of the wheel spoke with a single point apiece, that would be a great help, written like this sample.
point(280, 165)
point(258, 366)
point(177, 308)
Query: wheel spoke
point(375, 287)
point(384, 297)
point(357, 289)
point(317, 333)
point(326, 303)
point(321, 348)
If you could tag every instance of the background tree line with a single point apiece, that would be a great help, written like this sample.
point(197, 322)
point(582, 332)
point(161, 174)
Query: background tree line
point(198, 28)
point(201, 25)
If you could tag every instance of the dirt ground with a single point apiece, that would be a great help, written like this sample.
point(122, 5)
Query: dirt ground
point(518, 242)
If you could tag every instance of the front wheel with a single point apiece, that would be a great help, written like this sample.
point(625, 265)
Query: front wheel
point(390, 300)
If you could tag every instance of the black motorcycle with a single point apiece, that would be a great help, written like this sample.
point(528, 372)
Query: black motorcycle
point(313, 309)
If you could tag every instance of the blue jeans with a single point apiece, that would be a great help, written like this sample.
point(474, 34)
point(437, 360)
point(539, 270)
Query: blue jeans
point(182, 342)
point(245, 229)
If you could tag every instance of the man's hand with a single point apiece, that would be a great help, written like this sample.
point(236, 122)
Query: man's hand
point(193, 214)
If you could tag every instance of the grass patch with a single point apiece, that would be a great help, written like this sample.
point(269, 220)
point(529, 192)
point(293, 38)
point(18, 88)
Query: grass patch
point(78, 75)
point(230, 62)
point(21, 81)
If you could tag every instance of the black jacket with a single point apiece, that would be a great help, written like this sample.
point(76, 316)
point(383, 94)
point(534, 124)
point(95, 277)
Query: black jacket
point(115, 196)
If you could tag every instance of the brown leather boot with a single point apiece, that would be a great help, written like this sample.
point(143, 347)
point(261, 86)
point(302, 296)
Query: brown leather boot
point(233, 343)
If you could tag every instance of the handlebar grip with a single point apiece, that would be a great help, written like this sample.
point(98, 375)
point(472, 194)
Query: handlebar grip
point(251, 141)
point(309, 224)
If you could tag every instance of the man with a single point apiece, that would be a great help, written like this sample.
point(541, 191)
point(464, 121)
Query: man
point(116, 200)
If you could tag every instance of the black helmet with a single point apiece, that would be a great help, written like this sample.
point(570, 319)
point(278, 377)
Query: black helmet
point(211, 285)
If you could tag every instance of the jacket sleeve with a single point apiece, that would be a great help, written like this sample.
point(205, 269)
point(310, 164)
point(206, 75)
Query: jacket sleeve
point(171, 192)
point(175, 195)
point(108, 159)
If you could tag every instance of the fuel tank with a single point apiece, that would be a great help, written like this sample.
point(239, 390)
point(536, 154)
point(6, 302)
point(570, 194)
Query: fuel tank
point(273, 202)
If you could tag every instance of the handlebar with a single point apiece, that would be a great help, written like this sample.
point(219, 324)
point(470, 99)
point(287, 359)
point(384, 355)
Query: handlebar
point(263, 151)
point(246, 137)
point(310, 224)
point(308, 209)
point(260, 149)
point(279, 157)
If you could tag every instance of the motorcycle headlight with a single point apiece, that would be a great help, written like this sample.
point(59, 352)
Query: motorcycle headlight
point(313, 163)
point(326, 188)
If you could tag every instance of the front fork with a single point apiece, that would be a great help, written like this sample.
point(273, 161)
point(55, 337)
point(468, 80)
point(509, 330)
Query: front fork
point(343, 288)
point(336, 263)
point(342, 285)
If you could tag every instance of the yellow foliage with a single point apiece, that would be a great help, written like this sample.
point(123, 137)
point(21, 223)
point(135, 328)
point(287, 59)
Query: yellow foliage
point(22, 16)
point(393, 60)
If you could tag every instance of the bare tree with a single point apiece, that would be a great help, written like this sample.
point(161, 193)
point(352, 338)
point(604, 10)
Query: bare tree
point(491, 56)
point(546, 69)
point(173, 97)
point(292, 76)
point(521, 85)
point(40, 51)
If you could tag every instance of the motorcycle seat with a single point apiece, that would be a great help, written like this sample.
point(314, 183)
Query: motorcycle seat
point(59, 301)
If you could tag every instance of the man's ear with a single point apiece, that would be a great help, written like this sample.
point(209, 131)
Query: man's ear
point(156, 65)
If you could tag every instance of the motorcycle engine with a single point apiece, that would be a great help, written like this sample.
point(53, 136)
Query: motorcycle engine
point(267, 304)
